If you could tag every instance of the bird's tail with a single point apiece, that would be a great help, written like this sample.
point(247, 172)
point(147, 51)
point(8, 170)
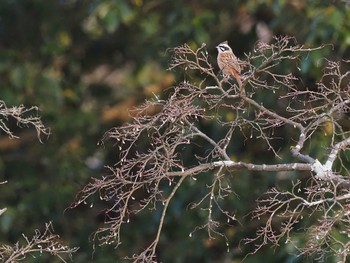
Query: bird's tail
point(238, 79)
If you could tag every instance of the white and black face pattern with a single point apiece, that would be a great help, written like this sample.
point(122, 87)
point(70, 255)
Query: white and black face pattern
point(223, 47)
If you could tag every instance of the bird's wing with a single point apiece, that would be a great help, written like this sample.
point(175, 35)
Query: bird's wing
point(231, 61)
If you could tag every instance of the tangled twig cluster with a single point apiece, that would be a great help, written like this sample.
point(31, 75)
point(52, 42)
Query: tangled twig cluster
point(42, 242)
point(23, 117)
point(151, 166)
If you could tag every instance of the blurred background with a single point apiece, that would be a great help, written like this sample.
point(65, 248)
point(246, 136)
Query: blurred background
point(84, 63)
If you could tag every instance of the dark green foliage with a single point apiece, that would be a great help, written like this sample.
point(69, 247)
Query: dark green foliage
point(84, 63)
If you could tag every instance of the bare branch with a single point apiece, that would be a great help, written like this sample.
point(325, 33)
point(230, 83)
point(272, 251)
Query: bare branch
point(152, 147)
point(24, 117)
point(45, 242)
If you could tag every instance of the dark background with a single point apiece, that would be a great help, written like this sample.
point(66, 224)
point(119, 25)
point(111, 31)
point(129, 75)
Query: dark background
point(84, 63)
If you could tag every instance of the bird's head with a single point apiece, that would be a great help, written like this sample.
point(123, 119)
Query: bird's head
point(223, 47)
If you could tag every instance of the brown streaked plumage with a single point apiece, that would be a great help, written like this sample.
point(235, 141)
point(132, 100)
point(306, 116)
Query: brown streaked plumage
point(228, 62)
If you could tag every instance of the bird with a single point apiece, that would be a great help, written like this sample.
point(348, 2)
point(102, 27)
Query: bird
point(228, 62)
